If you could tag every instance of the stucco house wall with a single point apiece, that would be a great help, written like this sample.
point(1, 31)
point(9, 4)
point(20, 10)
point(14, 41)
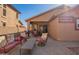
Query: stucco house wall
point(67, 30)
point(53, 29)
point(10, 19)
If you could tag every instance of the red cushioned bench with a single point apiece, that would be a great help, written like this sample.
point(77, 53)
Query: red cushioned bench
point(11, 45)
point(2, 50)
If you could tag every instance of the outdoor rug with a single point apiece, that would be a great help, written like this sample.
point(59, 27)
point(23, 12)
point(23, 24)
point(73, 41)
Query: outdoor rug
point(74, 49)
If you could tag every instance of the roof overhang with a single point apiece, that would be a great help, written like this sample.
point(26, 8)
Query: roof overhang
point(45, 19)
point(13, 8)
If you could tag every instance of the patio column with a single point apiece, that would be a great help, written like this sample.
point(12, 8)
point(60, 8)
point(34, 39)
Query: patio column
point(33, 26)
point(37, 27)
point(28, 25)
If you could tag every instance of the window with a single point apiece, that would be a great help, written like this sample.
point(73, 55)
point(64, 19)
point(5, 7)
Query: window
point(4, 6)
point(4, 24)
point(45, 28)
point(1, 5)
point(4, 12)
point(77, 24)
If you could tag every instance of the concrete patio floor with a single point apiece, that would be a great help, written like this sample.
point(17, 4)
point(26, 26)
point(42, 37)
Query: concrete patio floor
point(52, 47)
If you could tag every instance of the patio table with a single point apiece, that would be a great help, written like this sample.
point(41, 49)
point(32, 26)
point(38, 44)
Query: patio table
point(28, 46)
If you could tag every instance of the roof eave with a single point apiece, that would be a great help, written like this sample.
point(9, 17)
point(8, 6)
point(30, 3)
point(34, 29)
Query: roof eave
point(61, 6)
point(13, 8)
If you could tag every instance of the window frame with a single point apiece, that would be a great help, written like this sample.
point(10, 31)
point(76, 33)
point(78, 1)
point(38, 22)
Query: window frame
point(4, 12)
point(77, 24)
point(4, 5)
point(4, 24)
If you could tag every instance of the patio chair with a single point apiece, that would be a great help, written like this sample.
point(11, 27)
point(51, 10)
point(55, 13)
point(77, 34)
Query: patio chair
point(42, 40)
point(44, 36)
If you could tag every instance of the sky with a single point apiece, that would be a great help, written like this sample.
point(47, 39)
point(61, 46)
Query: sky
point(30, 10)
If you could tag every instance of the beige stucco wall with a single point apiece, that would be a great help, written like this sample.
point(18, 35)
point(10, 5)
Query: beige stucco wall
point(67, 32)
point(53, 29)
point(0, 11)
point(10, 19)
point(63, 31)
point(21, 28)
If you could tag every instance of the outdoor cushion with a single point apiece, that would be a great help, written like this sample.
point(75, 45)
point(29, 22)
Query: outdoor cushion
point(13, 42)
point(3, 43)
point(11, 46)
point(19, 38)
point(2, 50)
point(22, 37)
point(23, 34)
point(39, 39)
point(10, 38)
point(44, 36)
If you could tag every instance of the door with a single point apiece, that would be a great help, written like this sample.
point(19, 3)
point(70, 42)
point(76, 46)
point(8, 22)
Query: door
point(45, 28)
